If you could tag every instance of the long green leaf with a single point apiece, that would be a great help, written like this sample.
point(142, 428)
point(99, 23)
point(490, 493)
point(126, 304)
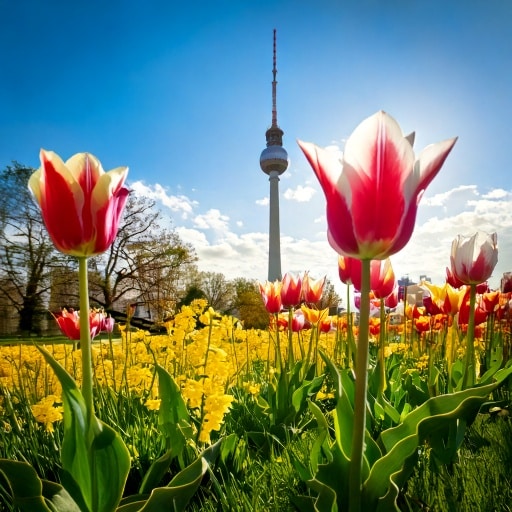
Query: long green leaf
point(94, 458)
point(173, 416)
point(59, 497)
point(435, 418)
point(175, 425)
point(175, 496)
point(26, 487)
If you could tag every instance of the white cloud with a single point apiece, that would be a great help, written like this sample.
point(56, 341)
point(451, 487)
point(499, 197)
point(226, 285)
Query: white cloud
point(180, 203)
point(300, 194)
point(497, 193)
point(262, 202)
point(455, 194)
point(212, 219)
point(428, 251)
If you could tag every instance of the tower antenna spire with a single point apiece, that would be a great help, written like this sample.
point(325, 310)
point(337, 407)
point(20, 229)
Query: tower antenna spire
point(274, 85)
point(274, 134)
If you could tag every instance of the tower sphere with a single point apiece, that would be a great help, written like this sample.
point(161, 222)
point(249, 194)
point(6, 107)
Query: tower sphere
point(274, 159)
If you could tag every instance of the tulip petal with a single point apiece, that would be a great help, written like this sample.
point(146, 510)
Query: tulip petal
point(325, 164)
point(426, 167)
point(60, 198)
point(339, 219)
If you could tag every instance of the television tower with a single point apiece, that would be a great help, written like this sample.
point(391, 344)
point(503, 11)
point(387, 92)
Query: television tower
point(274, 161)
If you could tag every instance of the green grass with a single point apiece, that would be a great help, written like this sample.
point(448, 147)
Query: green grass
point(49, 340)
point(481, 479)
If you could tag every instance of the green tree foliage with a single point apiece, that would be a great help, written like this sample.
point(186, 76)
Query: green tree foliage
point(248, 304)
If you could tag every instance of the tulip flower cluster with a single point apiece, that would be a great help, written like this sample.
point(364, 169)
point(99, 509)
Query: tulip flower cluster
point(291, 291)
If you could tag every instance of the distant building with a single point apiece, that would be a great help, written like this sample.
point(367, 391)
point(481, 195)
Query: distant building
point(411, 292)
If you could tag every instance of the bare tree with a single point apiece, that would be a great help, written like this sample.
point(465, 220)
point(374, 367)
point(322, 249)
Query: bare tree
point(330, 299)
point(27, 255)
point(144, 264)
point(217, 290)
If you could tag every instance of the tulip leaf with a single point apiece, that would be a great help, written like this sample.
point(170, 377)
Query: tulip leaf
point(495, 361)
point(441, 421)
point(30, 493)
point(173, 417)
point(95, 461)
point(25, 486)
point(175, 425)
point(344, 412)
point(59, 497)
point(177, 494)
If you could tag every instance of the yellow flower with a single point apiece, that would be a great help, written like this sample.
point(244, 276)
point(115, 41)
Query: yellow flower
point(153, 404)
point(215, 407)
point(313, 315)
point(209, 317)
point(48, 411)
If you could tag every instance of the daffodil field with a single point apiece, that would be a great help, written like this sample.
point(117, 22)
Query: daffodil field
point(265, 400)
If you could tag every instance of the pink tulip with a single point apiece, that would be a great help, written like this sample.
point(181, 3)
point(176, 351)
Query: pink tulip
point(382, 277)
point(373, 192)
point(473, 258)
point(69, 323)
point(298, 321)
point(291, 291)
point(107, 324)
point(349, 269)
point(81, 204)
point(312, 289)
point(271, 294)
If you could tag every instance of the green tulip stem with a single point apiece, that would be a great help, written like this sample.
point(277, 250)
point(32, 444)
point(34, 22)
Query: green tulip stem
point(279, 359)
point(382, 343)
point(361, 385)
point(85, 337)
point(291, 357)
point(469, 377)
point(350, 331)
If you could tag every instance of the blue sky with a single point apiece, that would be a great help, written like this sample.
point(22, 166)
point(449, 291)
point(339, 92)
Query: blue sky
point(181, 93)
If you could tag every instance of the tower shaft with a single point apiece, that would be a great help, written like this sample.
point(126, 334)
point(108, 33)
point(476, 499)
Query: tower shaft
point(274, 234)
